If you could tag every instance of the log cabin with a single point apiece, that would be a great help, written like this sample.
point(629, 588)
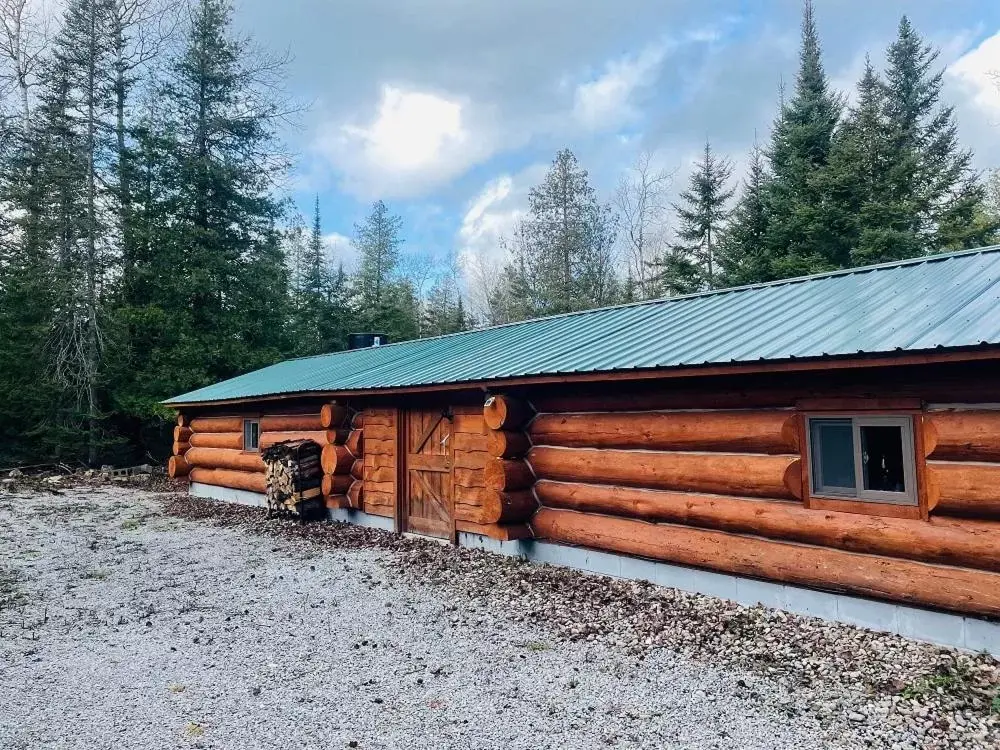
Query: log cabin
point(828, 445)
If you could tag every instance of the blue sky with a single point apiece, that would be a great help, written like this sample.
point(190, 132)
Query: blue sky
point(451, 109)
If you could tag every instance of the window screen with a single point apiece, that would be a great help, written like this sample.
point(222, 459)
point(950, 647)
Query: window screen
point(251, 434)
point(865, 458)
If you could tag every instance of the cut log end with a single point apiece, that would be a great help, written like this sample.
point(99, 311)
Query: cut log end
point(505, 413)
point(336, 459)
point(501, 475)
point(507, 444)
point(333, 416)
point(336, 484)
point(355, 495)
point(177, 467)
point(509, 507)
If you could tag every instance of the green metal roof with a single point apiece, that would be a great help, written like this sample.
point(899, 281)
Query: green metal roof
point(950, 300)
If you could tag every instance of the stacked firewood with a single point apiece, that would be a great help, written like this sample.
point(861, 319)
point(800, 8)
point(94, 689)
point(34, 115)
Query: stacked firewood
point(294, 474)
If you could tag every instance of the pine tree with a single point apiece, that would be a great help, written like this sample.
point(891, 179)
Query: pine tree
point(743, 257)
point(799, 241)
point(377, 240)
point(444, 311)
point(214, 275)
point(561, 255)
point(691, 264)
point(930, 179)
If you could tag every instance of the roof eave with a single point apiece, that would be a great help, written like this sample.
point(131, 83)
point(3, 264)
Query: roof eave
point(876, 359)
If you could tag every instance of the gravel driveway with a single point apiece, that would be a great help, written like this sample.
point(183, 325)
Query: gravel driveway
point(124, 626)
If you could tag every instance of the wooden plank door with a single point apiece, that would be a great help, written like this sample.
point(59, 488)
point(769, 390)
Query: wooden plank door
point(429, 506)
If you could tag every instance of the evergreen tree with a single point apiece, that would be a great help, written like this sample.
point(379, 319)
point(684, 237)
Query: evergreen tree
point(743, 256)
point(691, 264)
point(930, 179)
point(799, 239)
point(444, 311)
point(561, 256)
point(214, 302)
point(386, 303)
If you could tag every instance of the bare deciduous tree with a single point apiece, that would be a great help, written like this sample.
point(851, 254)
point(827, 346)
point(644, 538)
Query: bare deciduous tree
point(24, 39)
point(641, 200)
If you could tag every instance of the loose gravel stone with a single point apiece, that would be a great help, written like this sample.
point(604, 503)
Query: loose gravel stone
point(128, 621)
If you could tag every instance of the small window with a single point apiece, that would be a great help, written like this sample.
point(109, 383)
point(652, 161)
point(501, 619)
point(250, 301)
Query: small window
point(251, 434)
point(863, 458)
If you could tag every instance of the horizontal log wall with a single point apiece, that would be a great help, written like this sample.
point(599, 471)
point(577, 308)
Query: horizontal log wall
point(652, 475)
point(920, 583)
point(963, 466)
point(378, 492)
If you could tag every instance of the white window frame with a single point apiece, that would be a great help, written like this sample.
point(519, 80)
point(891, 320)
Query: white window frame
point(246, 427)
point(909, 497)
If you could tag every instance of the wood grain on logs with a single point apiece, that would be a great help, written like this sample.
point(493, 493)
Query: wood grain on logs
point(356, 494)
point(356, 443)
point(469, 495)
point(291, 423)
point(733, 431)
point(471, 459)
point(965, 489)
point(217, 424)
point(508, 507)
point(388, 511)
point(237, 480)
point(507, 444)
point(755, 475)
point(942, 586)
point(505, 413)
point(179, 449)
point(381, 498)
point(963, 435)
point(337, 437)
point(217, 440)
point(501, 474)
point(332, 416)
point(973, 544)
point(182, 434)
point(380, 447)
point(467, 441)
point(379, 474)
point(468, 477)
point(358, 469)
point(267, 439)
point(468, 424)
point(336, 459)
point(336, 484)
point(224, 458)
point(380, 432)
point(177, 467)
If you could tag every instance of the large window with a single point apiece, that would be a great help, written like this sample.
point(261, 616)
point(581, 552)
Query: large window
point(863, 458)
point(251, 434)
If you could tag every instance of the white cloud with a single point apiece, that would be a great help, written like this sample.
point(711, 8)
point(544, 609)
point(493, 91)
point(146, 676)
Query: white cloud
point(340, 249)
point(978, 72)
point(414, 141)
point(606, 101)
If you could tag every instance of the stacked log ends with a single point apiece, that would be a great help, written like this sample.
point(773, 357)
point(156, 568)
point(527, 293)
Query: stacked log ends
point(177, 467)
point(508, 507)
point(506, 475)
point(294, 478)
point(182, 434)
point(334, 415)
point(336, 459)
point(507, 444)
point(183, 420)
point(356, 443)
point(355, 494)
point(342, 458)
point(505, 413)
point(179, 449)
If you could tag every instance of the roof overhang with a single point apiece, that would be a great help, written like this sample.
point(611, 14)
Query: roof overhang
point(861, 360)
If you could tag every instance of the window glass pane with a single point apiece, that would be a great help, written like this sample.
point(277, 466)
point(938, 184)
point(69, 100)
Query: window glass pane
point(882, 458)
point(833, 455)
point(251, 434)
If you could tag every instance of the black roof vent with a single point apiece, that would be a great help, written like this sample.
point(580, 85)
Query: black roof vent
point(365, 340)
